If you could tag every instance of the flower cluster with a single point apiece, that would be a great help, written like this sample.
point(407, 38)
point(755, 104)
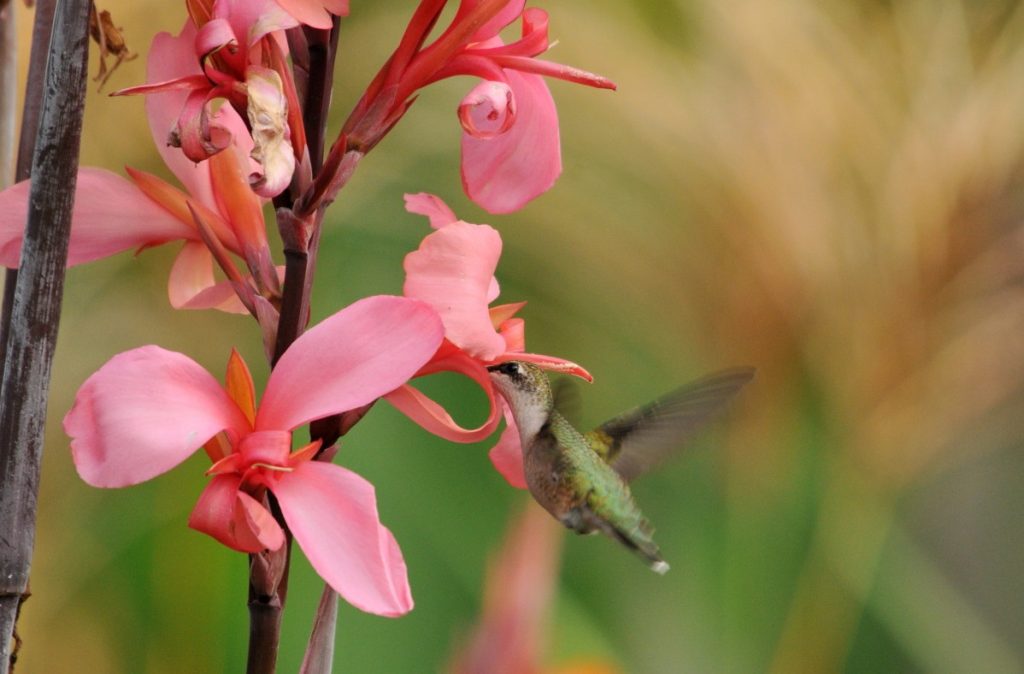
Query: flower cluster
point(228, 115)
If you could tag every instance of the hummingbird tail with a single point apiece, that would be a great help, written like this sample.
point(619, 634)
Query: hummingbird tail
point(641, 544)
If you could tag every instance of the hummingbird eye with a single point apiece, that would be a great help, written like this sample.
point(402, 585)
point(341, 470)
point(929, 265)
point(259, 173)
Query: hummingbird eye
point(511, 369)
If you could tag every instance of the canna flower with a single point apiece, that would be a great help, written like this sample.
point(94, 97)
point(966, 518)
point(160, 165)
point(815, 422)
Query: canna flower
point(510, 145)
point(217, 212)
point(519, 590)
point(148, 409)
point(233, 50)
point(315, 13)
point(453, 271)
point(520, 585)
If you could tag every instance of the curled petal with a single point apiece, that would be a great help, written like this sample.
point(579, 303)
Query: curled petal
point(333, 514)
point(507, 455)
point(110, 215)
point(144, 412)
point(488, 110)
point(349, 359)
point(268, 119)
point(197, 134)
point(503, 173)
point(553, 364)
point(432, 207)
point(434, 418)
point(173, 57)
point(453, 271)
point(214, 35)
point(234, 518)
point(315, 13)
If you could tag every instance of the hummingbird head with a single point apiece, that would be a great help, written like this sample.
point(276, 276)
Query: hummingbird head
point(526, 389)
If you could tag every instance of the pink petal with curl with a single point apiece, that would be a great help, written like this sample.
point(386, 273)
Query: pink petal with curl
point(169, 58)
point(110, 215)
point(333, 514)
point(234, 518)
point(144, 412)
point(348, 360)
point(199, 132)
point(488, 110)
point(215, 34)
point(553, 364)
point(507, 455)
point(315, 13)
point(434, 418)
point(453, 271)
point(503, 173)
point(432, 207)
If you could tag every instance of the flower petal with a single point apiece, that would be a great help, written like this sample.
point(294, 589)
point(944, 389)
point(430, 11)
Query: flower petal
point(333, 514)
point(252, 19)
point(110, 215)
point(434, 418)
point(488, 110)
point(192, 284)
point(503, 173)
point(453, 271)
point(431, 206)
point(507, 455)
point(171, 57)
point(234, 518)
point(268, 119)
point(348, 360)
point(502, 18)
point(191, 273)
point(315, 13)
point(144, 412)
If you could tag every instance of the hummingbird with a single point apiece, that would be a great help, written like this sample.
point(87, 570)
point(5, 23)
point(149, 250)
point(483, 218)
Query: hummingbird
point(582, 479)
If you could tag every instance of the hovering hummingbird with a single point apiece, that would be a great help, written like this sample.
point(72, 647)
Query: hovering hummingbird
point(583, 479)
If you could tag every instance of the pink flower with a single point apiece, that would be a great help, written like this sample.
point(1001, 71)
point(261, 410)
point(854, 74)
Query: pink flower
point(233, 50)
point(148, 409)
point(112, 214)
point(519, 588)
point(315, 13)
point(453, 271)
point(510, 148)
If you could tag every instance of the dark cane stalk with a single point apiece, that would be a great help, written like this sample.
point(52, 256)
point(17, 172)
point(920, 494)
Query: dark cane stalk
point(35, 310)
point(268, 570)
point(30, 111)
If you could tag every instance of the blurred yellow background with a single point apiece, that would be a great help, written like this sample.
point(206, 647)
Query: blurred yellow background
point(827, 190)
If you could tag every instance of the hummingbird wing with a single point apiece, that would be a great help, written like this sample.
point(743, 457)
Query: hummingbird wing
point(634, 442)
point(566, 396)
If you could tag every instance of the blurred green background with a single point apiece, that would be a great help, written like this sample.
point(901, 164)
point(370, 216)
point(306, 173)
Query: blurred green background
point(827, 190)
